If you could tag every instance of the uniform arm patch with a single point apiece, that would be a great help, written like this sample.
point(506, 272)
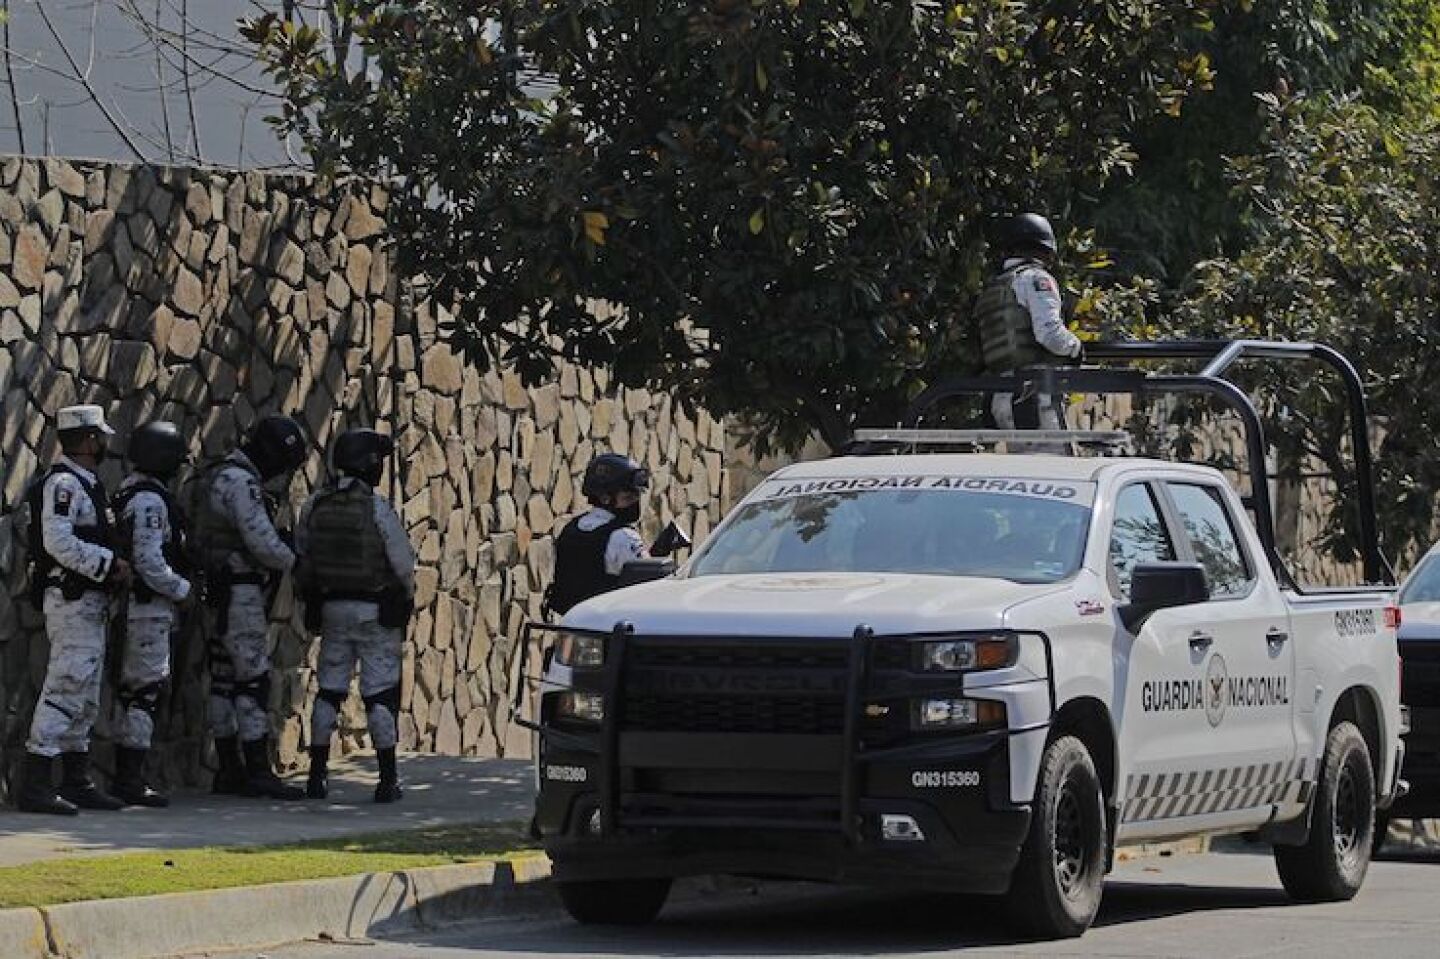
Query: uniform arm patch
point(62, 501)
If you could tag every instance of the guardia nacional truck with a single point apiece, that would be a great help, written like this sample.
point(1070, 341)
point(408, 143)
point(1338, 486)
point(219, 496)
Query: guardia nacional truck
point(980, 672)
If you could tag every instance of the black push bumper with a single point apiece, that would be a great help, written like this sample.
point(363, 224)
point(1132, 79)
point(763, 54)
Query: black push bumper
point(972, 836)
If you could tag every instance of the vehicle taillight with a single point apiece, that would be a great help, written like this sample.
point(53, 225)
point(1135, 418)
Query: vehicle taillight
point(1392, 617)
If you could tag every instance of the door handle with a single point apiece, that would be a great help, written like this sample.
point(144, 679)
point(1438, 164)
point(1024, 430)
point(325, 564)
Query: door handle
point(1276, 637)
point(1201, 641)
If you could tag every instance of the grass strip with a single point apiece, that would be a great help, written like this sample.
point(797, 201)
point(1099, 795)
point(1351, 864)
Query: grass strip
point(188, 870)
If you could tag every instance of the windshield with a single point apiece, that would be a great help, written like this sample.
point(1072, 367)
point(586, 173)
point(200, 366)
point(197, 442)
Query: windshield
point(1026, 530)
point(1423, 586)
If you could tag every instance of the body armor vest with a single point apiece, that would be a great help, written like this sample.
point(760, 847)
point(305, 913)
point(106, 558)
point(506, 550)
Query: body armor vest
point(45, 571)
point(1007, 336)
point(174, 548)
point(580, 564)
point(216, 536)
point(345, 551)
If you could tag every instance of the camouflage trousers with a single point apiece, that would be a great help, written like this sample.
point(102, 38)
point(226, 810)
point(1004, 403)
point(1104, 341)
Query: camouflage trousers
point(239, 680)
point(350, 633)
point(144, 669)
point(70, 699)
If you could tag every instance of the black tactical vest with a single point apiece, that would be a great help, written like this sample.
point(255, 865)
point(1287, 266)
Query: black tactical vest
point(45, 571)
point(174, 548)
point(580, 564)
point(344, 548)
point(1007, 334)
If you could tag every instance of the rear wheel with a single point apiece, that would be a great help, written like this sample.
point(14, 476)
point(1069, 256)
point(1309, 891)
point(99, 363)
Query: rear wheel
point(1056, 889)
point(614, 902)
point(1331, 865)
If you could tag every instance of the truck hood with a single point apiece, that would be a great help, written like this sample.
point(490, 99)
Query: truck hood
point(808, 604)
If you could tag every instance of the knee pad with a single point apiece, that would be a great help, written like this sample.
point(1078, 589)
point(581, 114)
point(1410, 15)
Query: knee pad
point(256, 689)
point(389, 698)
point(335, 697)
point(146, 698)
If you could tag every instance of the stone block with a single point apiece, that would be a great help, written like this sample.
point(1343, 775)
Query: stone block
point(189, 293)
point(32, 252)
point(289, 260)
point(440, 369)
point(357, 270)
point(99, 227)
point(336, 291)
point(184, 339)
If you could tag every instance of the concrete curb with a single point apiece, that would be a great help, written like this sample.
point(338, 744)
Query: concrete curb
point(257, 916)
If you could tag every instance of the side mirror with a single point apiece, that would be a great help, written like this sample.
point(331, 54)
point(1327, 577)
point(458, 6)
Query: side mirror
point(1156, 586)
point(645, 570)
point(671, 538)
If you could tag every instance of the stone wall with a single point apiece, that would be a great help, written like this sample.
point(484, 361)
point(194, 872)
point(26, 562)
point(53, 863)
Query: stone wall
point(213, 298)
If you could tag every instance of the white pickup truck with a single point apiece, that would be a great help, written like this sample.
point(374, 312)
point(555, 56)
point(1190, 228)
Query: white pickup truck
point(972, 672)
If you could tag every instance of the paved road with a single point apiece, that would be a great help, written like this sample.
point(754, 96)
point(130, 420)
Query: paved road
point(1216, 906)
point(439, 790)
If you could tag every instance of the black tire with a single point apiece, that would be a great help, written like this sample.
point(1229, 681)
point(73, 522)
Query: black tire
point(1056, 889)
point(614, 902)
point(1331, 866)
point(1382, 831)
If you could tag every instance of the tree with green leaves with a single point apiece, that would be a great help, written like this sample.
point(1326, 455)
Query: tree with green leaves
point(775, 208)
point(1343, 248)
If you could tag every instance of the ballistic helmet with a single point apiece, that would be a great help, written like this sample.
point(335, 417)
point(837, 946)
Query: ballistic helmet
point(611, 473)
point(361, 453)
point(158, 449)
point(1030, 233)
point(276, 445)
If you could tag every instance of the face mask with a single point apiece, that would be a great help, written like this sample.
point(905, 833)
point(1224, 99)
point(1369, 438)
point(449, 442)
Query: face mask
point(628, 514)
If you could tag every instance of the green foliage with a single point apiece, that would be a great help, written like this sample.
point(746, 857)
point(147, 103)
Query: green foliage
point(780, 204)
point(1344, 248)
point(1179, 209)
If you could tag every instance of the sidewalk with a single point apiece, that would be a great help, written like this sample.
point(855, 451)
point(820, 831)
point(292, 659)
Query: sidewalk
point(439, 791)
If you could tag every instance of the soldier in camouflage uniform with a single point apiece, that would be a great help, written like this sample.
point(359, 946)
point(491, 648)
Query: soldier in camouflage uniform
point(1021, 324)
point(244, 553)
point(152, 534)
point(357, 571)
point(74, 567)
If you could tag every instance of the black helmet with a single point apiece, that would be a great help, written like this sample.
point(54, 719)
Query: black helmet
point(276, 445)
point(1028, 233)
point(157, 448)
point(611, 473)
point(361, 453)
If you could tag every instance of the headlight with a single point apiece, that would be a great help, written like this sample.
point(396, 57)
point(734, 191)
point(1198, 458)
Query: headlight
point(958, 655)
point(580, 650)
point(951, 712)
point(586, 707)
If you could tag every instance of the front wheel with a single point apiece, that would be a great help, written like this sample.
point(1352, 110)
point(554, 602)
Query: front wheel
point(1055, 892)
point(614, 902)
point(1331, 865)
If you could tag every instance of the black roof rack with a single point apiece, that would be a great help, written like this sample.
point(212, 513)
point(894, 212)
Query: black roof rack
point(1219, 357)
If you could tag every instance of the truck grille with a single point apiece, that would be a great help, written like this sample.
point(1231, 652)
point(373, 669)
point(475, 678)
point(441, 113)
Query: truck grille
point(769, 687)
point(1420, 676)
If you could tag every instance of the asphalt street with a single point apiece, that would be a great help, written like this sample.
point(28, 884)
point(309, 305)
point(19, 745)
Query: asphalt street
point(1223, 905)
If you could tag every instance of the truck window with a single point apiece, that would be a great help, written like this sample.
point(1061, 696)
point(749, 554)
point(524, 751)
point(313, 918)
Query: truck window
point(943, 531)
point(1212, 538)
point(1139, 535)
point(1423, 585)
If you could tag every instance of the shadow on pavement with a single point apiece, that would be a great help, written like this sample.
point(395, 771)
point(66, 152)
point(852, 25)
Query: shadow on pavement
point(817, 920)
point(439, 791)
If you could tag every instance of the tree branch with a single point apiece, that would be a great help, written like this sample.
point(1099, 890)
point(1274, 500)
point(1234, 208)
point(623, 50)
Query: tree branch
point(83, 79)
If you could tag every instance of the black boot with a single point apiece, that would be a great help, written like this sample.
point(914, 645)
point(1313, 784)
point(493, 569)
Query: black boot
point(130, 785)
point(389, 788)
point(77, 786)
point(317, 786)
point(260, 779)
point(230, 777)
point(37, 789)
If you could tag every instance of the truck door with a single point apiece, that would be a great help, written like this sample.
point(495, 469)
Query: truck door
point(1244, 735)
point(1159, 677)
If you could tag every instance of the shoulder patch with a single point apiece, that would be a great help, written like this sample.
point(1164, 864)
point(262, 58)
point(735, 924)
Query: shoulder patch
point(62, 501)
point(1044, 283)
point(153, 521)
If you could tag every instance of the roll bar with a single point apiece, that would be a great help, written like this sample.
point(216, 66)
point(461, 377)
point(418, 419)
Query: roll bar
point(1219, 357)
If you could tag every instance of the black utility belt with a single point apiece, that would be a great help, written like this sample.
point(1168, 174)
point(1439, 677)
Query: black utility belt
point(248, 579)
point(73, 585)
point(351, 596)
